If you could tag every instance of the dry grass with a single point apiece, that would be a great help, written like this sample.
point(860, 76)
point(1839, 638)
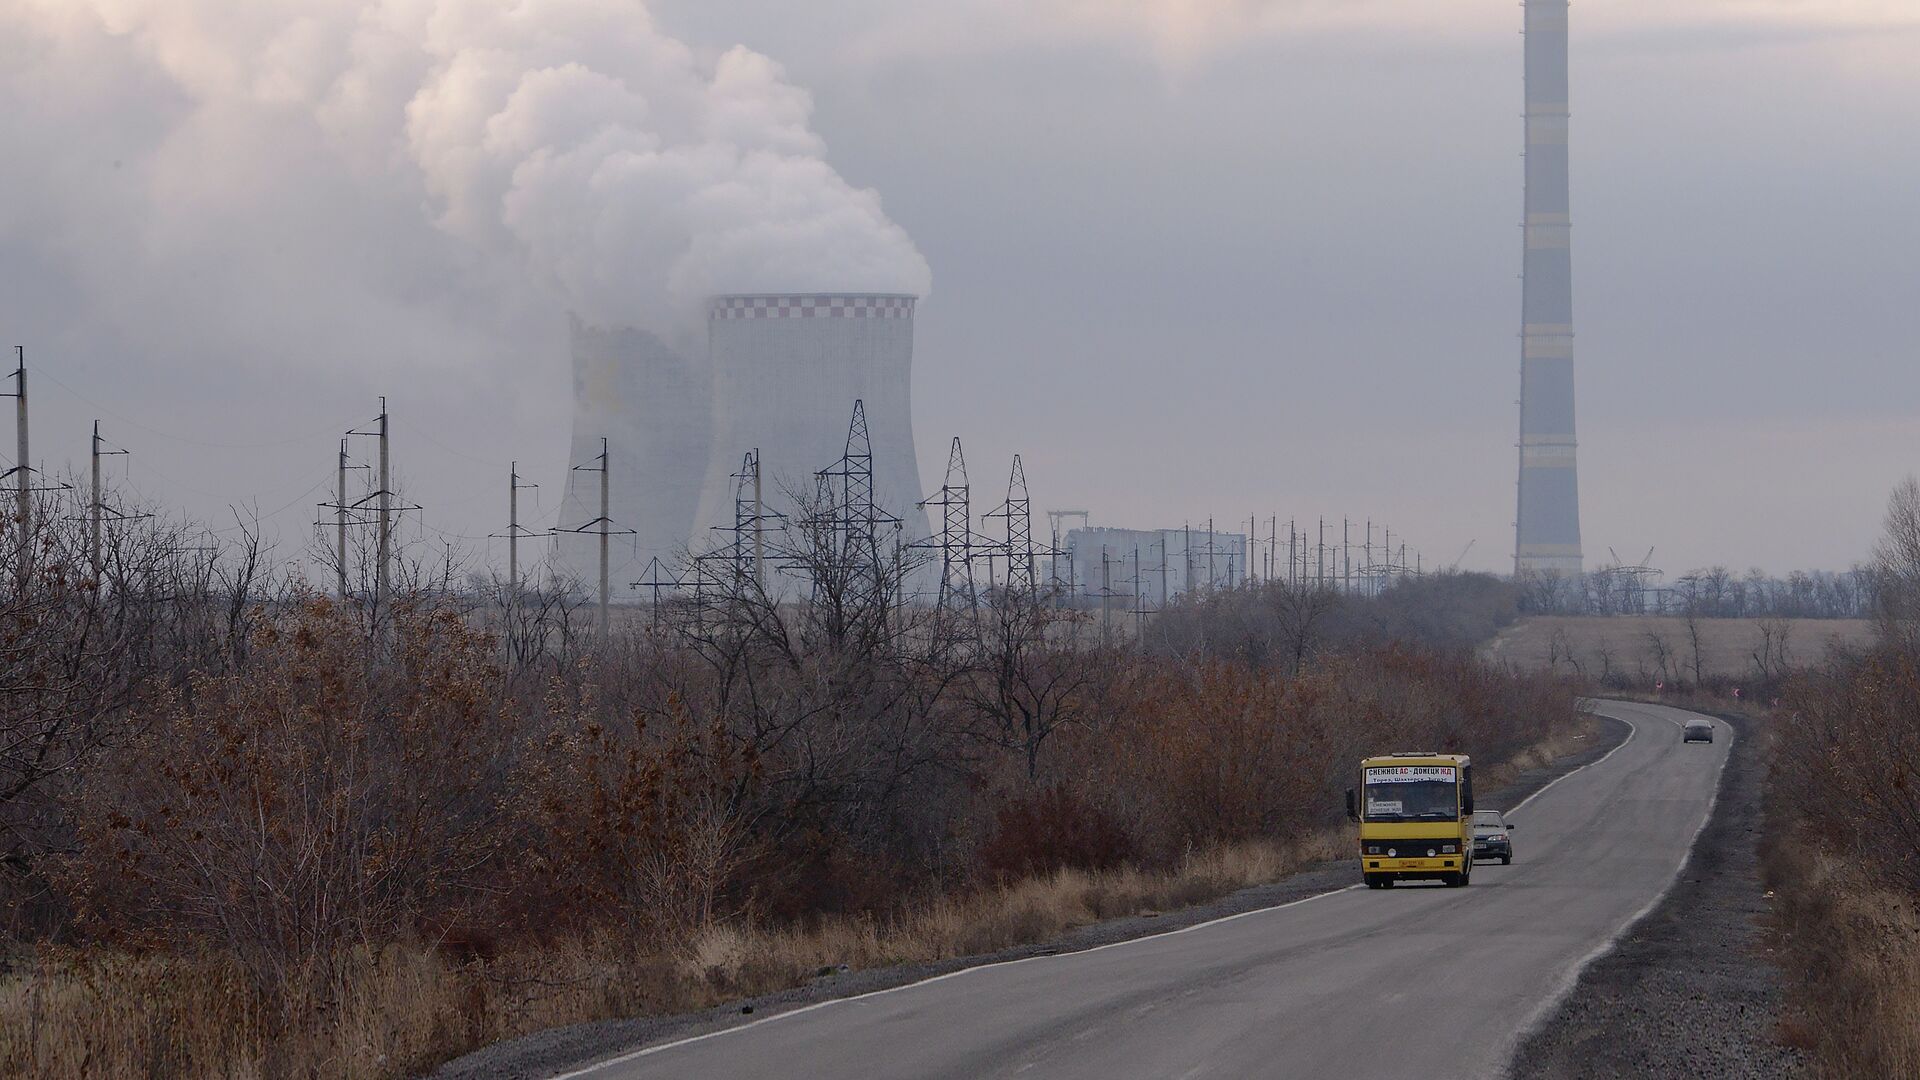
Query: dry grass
point(1571, 740)
point(1623, 645)
point(1855, 949)
point(404, 1009)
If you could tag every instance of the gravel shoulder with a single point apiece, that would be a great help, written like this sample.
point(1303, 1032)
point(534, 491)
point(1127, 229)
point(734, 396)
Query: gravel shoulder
point(1689, 990)
point(546, 1053)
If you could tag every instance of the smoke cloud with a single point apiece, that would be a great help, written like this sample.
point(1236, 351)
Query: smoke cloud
point(571, 140)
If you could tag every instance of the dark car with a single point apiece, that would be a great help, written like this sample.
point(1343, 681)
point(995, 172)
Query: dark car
point(1697, 731)
point(1492, 837)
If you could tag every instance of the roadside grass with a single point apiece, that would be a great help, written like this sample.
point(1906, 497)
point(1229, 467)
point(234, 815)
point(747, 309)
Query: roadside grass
point(1856, 950)
point(402, 1009)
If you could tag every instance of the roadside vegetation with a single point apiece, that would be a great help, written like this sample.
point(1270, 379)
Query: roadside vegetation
point(1844, 805)
point(251, 830)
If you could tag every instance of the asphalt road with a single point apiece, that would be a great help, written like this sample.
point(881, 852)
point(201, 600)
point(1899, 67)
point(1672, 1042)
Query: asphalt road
point(1414, 979)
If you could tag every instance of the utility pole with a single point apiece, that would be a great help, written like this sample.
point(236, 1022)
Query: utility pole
point(381, 575)
point(382, 497)
point(1253, 528)
point(760, 531)
point(1210, 570)
point(605, 516)
point(514, 488)
point(1163, 569)
point(1320, 557)
point(340, 523)
point(99, 507)
point(1106, 596)
point(1186, 556)
point(513, 533)
point(1346, 556)
point(601, 526)
point(22, 474)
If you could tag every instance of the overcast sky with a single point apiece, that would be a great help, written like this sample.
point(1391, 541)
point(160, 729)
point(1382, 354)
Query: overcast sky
point(1188, 258)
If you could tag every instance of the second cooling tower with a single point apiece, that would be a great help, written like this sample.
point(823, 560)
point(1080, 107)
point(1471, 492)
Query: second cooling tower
point(786, 371)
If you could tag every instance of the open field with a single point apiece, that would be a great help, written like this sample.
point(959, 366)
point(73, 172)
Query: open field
point(1631, 647)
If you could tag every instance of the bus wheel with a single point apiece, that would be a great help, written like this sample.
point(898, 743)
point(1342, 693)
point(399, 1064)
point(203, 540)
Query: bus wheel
point(1374, 881)
point(1453, 881)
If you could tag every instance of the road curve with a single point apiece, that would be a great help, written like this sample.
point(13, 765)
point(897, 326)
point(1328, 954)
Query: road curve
point(1356, 982)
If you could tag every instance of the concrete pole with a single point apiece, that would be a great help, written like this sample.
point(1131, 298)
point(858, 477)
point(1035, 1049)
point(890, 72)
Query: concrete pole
point(340, 524)
point(606, 526)
point(381, 579)
point(1346, 556)
point(760, 534)
point(93, 512)
point(1186, 557)
point(23, 478)
point(513, 534)
point(1210, 571)
point(1320, 557)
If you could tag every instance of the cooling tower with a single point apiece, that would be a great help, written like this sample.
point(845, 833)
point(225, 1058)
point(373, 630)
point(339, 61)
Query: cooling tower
point(651, 404)
point(786, 372)
point(1547, 524)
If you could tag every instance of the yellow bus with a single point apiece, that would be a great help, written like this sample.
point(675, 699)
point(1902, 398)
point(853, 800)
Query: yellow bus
point(1415, 812)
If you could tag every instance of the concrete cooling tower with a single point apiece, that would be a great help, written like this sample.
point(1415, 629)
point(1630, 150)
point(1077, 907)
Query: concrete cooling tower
point(786, 372)
point(652, 405)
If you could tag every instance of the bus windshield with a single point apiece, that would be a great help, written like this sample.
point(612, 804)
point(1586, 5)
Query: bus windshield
point(1420, 794)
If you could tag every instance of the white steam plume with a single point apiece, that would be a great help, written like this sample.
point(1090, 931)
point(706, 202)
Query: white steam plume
point(612, 161)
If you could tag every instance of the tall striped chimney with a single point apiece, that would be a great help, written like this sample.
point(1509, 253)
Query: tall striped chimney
point(1547, 525)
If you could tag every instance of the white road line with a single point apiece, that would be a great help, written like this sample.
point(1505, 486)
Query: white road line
point(1565, 984)
point(634, 1055)
point(1632, 730)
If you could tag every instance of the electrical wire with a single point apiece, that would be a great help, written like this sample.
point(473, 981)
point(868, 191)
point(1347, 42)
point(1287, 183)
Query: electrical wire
point(210, 444)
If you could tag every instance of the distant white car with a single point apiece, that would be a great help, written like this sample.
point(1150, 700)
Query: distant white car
point(1697, 731)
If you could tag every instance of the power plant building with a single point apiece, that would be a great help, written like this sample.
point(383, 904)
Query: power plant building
point(652, 405)
point(1547, 520)
point(1149, 564)
point(787, 370)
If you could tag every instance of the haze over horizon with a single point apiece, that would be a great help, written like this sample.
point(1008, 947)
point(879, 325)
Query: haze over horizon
point(1187, 259)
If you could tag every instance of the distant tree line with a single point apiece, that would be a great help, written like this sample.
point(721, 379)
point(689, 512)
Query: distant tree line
point(279, 800)
point(1713, 592)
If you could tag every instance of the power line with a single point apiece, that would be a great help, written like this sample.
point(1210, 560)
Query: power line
point(124, 418)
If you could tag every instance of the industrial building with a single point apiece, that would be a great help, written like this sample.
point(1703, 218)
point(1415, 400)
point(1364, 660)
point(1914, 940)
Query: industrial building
point(1148, 566)
point(786, 372)
point(652, 405)
point(1547, 520)
point(780, 376)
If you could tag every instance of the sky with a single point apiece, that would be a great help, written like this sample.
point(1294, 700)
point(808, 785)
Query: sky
point(1189, 259)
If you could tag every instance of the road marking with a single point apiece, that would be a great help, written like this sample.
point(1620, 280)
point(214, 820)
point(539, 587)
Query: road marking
point(634, 1055)
point(1565, 984)
point(1632, 730)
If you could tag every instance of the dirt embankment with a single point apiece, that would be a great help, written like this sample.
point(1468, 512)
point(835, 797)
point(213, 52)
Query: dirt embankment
point(1690, 990)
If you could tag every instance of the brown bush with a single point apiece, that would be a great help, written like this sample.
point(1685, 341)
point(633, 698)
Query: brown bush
point(1048, 829)
point(314, 802)
point(641, 825)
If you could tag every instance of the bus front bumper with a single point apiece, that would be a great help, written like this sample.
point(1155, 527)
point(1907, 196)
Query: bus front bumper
point(1445, 864)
